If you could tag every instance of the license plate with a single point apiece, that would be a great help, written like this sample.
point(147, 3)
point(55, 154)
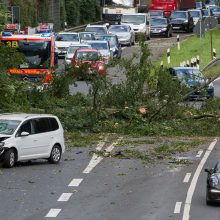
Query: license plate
point(176, 27)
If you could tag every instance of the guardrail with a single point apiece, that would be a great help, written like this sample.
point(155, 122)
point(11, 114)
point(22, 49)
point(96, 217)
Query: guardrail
point(81, 27)
point(212, 63)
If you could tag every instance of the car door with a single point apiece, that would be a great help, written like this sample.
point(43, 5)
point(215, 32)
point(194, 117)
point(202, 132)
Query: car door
point(25, 144)
point(42, 136)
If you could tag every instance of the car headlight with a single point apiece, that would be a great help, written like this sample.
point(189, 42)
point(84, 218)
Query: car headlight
point(186, 21)
point(163, 29)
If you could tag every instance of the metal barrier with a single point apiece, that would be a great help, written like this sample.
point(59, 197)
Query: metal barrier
point(81, 27)
point(212, 63)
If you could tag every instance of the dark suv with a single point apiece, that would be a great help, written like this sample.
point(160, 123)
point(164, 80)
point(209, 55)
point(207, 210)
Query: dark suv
point(181, 21)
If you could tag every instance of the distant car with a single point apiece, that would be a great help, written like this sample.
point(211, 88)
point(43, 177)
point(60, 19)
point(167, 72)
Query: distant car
point(192, 77)
point(30, 136)
point(181, 21)
point(91, 58)
point(196, 15)
point(161, 27)
point(125, 34)
point(213, 184)
point(104, 49)
point(71, 50)
point(97, 29)
point(156, 14)
point(200, 5)
point(115, 46)
point(207, 13)
point(84, 36)
point(63, 41)
point(216, 13)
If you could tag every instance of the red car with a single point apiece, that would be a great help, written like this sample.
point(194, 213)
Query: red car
point(91, 58)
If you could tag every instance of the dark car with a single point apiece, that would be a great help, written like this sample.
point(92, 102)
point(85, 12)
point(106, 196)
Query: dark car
point(115, 46)
point(213, 184)
point(156, 14)
point(181, 21)
point(193, 79)
point(161, 27)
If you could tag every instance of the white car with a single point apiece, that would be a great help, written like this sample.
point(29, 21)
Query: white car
point(63, 41)
point(196, 14)
point(30, 136)
point(71, 50)
point(97, 29)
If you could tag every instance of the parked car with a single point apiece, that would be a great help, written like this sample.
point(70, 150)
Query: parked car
point(71, 50)
point(193, 79)
point(200, 5)
point(97, 29)
point(213, 184)
point(115, 46)
point(216, 13)
point(161, 27)
point(84, 36)
point(156, 13)
point(104, 48)
point(125, 34)
point(91, 59)
point(196, 15)
point(63, 41)
point(181, 21)
point(30, 136)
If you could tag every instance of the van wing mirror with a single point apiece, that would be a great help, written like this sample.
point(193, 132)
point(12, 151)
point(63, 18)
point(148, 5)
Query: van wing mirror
point(24, 133)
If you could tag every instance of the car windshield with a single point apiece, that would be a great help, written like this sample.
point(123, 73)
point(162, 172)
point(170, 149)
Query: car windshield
point(87, 56)
point(156, 13)
point(133, 19)
point(216, 9)
point(178, 14)
point(111, 39)
point(37, 54)
point(189, 74)
point(99, 46)
point(67, 37)
point(158, 21)
point(206, 12)
point(195, 14)
point(119, 29)
point(8, 126)
point(73, 48)
point(98, 30)
point(86, 36)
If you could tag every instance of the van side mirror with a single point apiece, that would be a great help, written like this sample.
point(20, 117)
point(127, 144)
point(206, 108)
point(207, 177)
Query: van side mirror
point(24, 133)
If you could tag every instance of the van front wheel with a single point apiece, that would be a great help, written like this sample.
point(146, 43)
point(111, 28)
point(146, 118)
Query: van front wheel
point(55, 154)
point(9, 158)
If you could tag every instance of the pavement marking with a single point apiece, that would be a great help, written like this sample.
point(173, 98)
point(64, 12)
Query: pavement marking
point(64, 197)
point(199, 154)
point(101, 144)
point(97, 159)
point(177, 207)
point(75, 182)
point(53, 213)
point(187, 177)
point(194, 181)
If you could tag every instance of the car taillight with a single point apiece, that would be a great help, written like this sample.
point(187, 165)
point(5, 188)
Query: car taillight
point(167, 13)
point(101, 67)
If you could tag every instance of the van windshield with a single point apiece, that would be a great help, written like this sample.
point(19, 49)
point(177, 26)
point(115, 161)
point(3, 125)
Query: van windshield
point(133, 19)
point(8, 126)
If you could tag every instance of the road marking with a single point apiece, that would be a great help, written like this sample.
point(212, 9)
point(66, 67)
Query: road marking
point(53, 213)
point(75, 182)
point(64, 197)
point(187, 177)
point(177, 207)
point(192, 187)
point(199, 154)
point(101, 144)
point(97, 159)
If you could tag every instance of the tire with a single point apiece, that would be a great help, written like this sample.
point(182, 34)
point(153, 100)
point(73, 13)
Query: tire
point(55, 154)
point(9, 158)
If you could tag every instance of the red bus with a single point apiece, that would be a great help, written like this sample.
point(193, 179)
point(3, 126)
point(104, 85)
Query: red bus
point(39, 51)
point(170, 5)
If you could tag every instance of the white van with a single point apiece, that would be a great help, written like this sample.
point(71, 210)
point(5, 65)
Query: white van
point(30, 136)
point(139, 22)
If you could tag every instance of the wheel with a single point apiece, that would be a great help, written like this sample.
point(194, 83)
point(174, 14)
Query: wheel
point(9, 158)
point(55, 154)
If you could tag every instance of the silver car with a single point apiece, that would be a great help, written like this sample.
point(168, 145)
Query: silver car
point(125, 34)
point(71, 50)
point(104, 49)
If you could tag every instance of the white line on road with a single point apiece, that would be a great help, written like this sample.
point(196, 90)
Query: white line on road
point(187, 177)
point(199, 154)
point(192, 187)
point(53, 213)
point(64, 197)
point(100, 145)
point(75, 182)
point(177, 207)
